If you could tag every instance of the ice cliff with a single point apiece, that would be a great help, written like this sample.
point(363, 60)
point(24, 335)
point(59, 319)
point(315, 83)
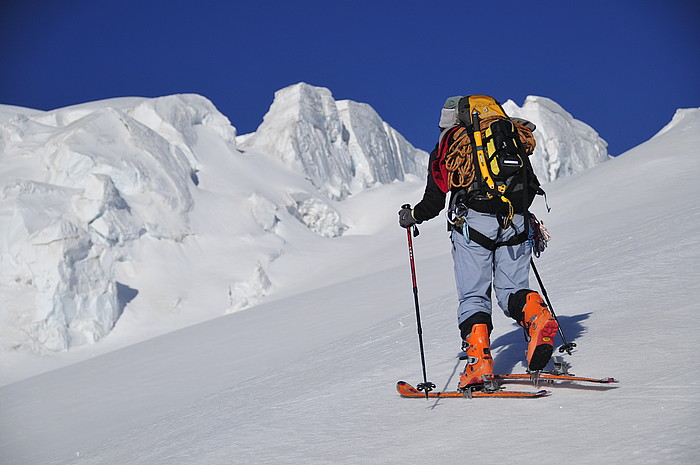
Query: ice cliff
point(340, 146)
point(80, 183)
point(565, 145)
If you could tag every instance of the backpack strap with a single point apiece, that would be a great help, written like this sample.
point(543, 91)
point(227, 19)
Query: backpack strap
point(438, 166)
point(487, 183)
point(481, 182)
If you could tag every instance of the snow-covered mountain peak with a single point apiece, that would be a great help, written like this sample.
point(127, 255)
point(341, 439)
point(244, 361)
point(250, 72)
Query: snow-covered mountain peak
point(688, 119)
point(303, 130)
point(565, 145)
point(341, 147)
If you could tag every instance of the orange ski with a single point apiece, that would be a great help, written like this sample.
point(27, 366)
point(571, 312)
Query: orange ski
point(406, 390)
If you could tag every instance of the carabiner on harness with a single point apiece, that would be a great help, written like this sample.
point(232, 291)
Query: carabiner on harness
point(457, 218)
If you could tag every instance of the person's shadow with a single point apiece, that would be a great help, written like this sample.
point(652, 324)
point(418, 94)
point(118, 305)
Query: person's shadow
point(509, 349)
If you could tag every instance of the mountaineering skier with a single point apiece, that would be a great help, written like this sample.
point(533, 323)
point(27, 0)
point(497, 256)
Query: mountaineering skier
point(481, 159)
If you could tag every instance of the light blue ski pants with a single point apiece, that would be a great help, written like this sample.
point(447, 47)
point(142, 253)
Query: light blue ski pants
point(477, 268)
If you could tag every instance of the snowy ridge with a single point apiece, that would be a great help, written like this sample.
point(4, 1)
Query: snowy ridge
point(686, 119)
point(106, 203)
point(341, 147)
point(565, 145)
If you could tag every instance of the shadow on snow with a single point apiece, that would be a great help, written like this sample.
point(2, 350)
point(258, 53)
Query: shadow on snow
point(509, 349)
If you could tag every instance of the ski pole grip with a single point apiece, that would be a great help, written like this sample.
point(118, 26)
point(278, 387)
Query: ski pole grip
point(414, 227)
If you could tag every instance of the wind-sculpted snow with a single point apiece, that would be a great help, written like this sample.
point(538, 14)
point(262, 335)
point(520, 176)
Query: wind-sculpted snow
point(565, 145)
point(88, 180)
point(79, 186)
point(341, 147)
point(379, 153)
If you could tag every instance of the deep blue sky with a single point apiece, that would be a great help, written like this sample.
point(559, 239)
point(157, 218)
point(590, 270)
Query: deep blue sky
point(621, 66)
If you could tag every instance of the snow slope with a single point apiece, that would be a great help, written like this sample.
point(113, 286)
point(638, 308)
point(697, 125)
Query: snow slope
point(309, 376)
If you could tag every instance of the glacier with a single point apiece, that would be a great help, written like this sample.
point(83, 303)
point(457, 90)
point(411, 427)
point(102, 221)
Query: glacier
point(105, 206)
point(565, 145)
point(89, 191)
point(342, 146)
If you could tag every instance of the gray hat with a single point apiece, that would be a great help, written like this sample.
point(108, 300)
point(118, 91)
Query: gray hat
point(452, 102)
point(448, 114)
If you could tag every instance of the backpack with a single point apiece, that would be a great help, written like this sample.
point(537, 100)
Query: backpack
point(483, 159)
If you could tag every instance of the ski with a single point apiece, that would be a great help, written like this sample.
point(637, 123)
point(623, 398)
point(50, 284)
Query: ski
point(559, 373)
point(406, 390)
point(551, 377)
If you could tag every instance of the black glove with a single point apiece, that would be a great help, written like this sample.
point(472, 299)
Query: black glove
point(406, 219)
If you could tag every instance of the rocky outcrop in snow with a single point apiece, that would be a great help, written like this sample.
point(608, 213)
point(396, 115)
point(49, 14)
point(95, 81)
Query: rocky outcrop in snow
point(565, 145)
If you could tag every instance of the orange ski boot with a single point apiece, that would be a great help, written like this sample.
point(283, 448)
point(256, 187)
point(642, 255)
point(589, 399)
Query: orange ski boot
point(541, 327)
point(478, 373)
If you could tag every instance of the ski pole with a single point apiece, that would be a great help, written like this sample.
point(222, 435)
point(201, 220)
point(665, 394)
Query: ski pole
point(567, 346)
point(425, 385)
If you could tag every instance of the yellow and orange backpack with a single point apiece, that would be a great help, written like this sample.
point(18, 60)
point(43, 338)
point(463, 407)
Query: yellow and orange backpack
point(484, 153)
